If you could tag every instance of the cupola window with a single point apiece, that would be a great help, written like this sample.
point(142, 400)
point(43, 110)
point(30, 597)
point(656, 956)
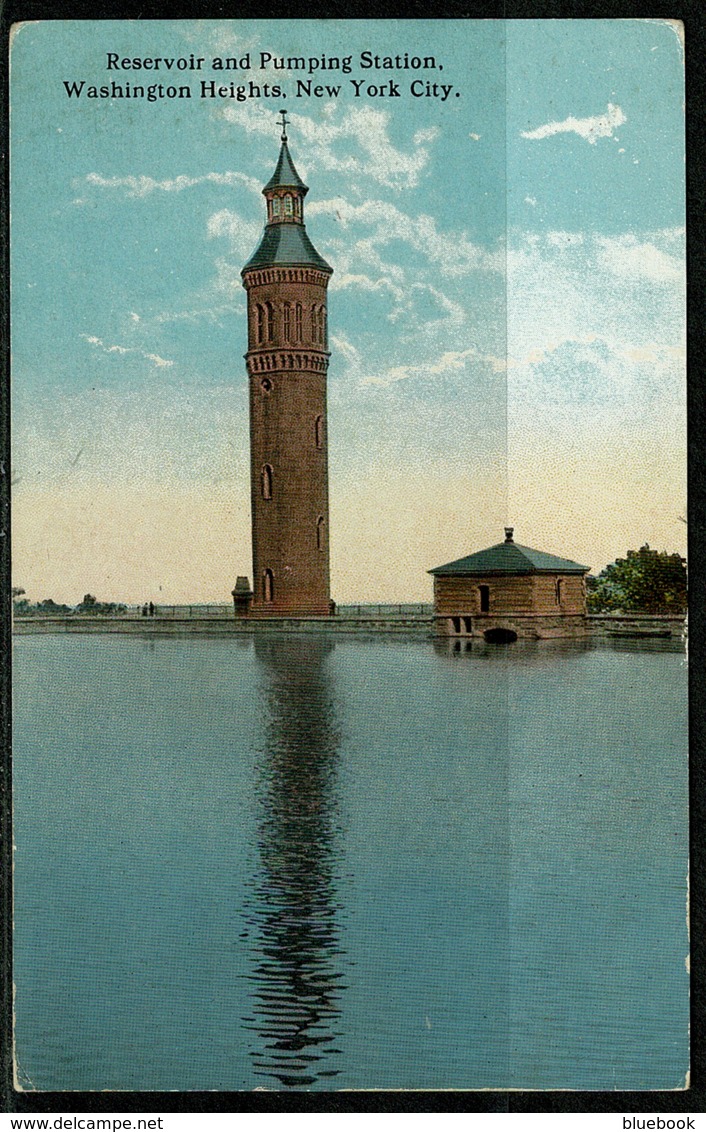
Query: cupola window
point(288, 206)
point(276, 206)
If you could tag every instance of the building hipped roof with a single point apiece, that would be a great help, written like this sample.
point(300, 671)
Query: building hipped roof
point(509, 558)
point(286, 245)
point(285, 175)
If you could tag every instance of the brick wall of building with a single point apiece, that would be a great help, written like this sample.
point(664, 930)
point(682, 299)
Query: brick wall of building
point(287, 362)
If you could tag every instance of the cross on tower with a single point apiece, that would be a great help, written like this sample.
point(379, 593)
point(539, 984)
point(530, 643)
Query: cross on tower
point(284, 124)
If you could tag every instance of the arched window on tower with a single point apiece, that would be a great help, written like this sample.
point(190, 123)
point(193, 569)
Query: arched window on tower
point(319, 432)
point(270, 321)
point(323, 325)
point(320, 532)
point(286, 322)
point(266, 481)
point(288, 206)
point(260, 324)
point(297, 207)
point(268, 586)
point(275, 206)
point(298, 322)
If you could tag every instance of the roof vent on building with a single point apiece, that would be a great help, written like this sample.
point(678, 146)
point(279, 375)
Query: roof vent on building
point(508, 534)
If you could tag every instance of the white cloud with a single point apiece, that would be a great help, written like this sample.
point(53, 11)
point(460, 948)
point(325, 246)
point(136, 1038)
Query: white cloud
point(358, 144)
point(600, 126)
point(627, 257)
point(448, 362)
point(156, 360)
point(453, 250)
point(143, 185)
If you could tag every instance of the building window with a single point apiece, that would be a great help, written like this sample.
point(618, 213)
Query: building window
point(266, 481)
point(559, 588)
point(286, 323)
point(298, 322)
point(320, 533)
point(456, 623)
point(266, 385)
point(260, 324)
point(314, 322)
point(484, 592)
point(270, 311)
point(322, 326)
point(319, 432)
point(268, 586)
point(275, 206)
point(288, 205)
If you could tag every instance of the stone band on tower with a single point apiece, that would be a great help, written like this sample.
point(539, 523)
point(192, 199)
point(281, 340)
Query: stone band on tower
point(287, 360)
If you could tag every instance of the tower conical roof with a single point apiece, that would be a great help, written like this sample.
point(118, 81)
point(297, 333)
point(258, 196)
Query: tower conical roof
point(285, 175)
point(284, 241)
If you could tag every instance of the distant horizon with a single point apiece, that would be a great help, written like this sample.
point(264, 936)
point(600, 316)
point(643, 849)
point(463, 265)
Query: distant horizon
point(368, 601)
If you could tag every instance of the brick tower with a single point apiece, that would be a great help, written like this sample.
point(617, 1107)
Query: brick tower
point(286, 281)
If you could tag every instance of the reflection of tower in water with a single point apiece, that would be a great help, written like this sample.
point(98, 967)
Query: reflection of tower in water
point(292, 911)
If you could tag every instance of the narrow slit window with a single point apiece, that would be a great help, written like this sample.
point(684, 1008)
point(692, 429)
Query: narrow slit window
point(484, 592)
point(286, 322)
point(268, 586)
point(319, 432)
point(260, 324)
point(266, 479)
point(298, 322)
point(559, 589)
point(314, 323)
point(320, 533)
point(270, 321)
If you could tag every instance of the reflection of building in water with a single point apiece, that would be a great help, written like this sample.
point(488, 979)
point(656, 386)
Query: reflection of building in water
point(293, 906)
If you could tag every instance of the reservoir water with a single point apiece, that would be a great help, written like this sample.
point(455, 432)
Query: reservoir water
point(333, 862)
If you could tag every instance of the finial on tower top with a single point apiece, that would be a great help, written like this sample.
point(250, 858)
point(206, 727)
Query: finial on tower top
point(509, 531)
point(284, 125)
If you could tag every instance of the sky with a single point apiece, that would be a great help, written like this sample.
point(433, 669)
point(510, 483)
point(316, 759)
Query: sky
point(506, 313)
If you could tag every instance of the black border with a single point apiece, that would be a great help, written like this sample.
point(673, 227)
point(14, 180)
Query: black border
point(688, 1101)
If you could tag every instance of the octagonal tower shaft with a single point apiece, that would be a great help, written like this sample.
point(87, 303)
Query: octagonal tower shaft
point(287, 360)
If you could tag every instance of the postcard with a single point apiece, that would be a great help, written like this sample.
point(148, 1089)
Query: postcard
point(350, 742)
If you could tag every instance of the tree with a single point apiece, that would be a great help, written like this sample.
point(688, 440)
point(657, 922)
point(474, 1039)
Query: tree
point(645, 581)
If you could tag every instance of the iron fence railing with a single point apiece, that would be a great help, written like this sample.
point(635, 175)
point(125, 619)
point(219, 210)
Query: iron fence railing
point(361, 611)
point(403, 609)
